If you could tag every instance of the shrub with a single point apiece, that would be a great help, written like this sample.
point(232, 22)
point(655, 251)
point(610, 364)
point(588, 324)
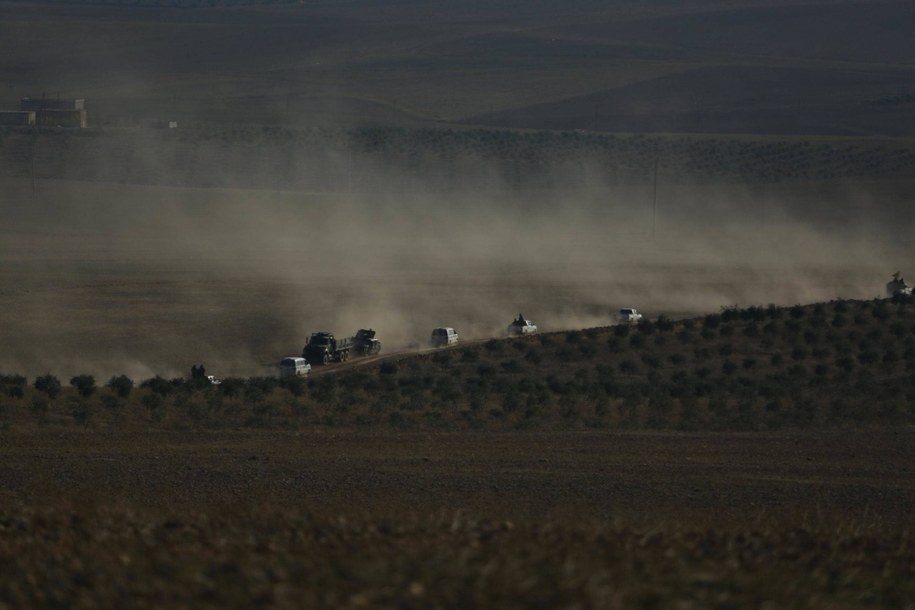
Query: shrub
point(651, 361)
point(49, 384)
point(494, 345)
point(39, 408)
point(264, 384)
point(121, 385)
point(729, 314)
point(645, 326)
point(868, 356)
point(711, 321)
point(811, 337)
point(231, 387)
point(846, 363)
point(81, 410)
point(799, 353)
point(664, 324)
point(881, 312)
point(294, 384)
point(486, 370)
point(110, 402)
point(84, 384)
point(159, 385)
point(390, 368)
point(155, 404)
point(510, 366)
point(444, 356)
point(628, 367)
point(13, 385)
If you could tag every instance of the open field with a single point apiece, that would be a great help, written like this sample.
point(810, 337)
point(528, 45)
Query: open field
point(146, 518)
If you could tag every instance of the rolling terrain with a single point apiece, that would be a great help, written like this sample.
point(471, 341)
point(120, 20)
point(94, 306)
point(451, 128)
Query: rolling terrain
point(744, 67)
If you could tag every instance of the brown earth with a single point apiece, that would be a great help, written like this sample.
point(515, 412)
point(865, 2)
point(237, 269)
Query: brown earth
point(738, 478)
point(146, 518)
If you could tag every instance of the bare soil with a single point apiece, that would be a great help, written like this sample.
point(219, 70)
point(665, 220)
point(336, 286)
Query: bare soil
point(145, 518)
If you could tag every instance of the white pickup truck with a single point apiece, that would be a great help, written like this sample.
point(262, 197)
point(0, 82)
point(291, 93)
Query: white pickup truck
point(628, 315)
point(521, 326)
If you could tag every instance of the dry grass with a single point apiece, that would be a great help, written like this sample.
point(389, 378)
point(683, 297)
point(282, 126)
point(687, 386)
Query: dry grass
point(153, 519)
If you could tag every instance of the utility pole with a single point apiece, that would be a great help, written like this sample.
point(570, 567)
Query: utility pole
point(654, 202)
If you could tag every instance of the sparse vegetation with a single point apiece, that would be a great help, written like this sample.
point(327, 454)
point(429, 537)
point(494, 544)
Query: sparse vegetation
point(484, 385)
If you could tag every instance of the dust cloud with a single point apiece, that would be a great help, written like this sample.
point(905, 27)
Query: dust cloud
point(107, 278)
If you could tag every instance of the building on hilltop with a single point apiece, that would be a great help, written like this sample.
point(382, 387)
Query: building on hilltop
point(45, 103)
point(56, 112)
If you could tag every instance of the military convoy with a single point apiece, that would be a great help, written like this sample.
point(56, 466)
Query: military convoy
point(323, 347)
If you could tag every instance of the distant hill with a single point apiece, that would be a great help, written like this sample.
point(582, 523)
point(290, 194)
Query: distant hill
point(749, 66)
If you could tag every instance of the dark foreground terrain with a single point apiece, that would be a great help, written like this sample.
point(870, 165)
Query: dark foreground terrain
point(152, 518)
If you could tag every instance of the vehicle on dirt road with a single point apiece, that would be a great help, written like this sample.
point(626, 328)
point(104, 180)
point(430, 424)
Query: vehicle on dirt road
point(521, 326)
point(628, 315)
point(323, 347)
point(294, 366)
point(897, 286)
point(444, 336)
point(365, 343)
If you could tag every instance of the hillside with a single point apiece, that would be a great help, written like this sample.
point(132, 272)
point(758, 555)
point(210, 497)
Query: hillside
point(827, 365)
point(755, 66)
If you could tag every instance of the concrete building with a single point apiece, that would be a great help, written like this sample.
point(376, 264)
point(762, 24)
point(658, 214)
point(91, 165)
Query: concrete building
point(17, 117)
point(45, 103)
point(55, 112)
point(61, 118)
